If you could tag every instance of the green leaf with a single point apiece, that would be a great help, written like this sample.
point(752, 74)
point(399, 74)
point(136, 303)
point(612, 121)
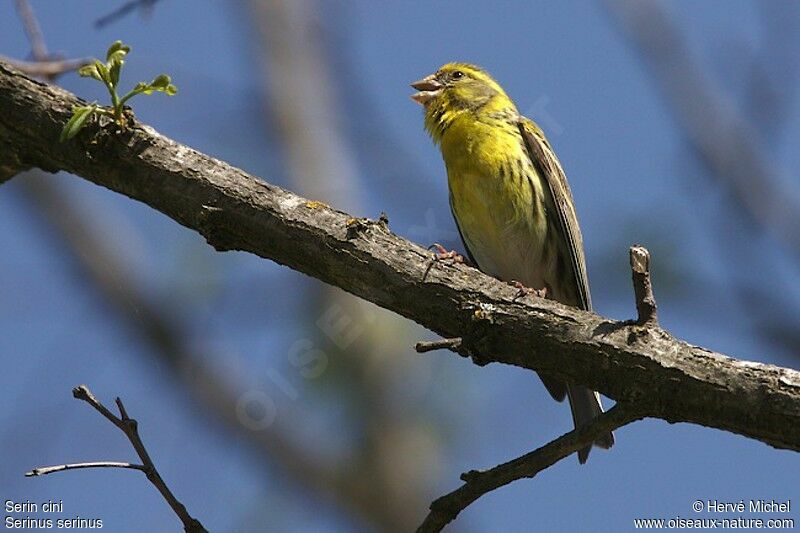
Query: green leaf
point(116, 57)
point(102, 70)
point(80, 114)
point(161, 82)
point(140, 88)
point(90, 71)
point(113, 71)
point(118, 49)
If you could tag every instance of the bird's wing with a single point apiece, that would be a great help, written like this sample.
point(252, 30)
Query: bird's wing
point(461, 234)
point(545, 161)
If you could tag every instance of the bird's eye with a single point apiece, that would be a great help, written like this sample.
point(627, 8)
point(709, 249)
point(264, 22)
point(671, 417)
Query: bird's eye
point(457, 75)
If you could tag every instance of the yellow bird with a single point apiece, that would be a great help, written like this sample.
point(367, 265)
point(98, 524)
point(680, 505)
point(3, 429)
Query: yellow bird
point(510, 199)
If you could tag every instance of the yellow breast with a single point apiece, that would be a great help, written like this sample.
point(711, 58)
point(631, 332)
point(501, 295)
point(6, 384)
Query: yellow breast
point(496, 196)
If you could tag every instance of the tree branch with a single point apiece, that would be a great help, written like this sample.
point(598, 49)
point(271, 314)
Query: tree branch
point(129, 427)
point(664, 377)
point(32, 29)
point(643, 287)
point(477, 483)
point(44, 64)
point(44, 470)
point(143, 6)
point(49, 68)
point(429, 346)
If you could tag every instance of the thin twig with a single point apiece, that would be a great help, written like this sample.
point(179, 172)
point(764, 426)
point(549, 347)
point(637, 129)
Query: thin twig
point(44, 470)
point(145, 6)
point(32, 30)
point(129, 426)
point(48, 68)
point(477, 483)
point(44, 65)
point(643, 287)
point(441, 344)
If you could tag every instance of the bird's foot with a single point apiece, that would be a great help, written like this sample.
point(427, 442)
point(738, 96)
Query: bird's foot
point(442, 254)
point(522, 290)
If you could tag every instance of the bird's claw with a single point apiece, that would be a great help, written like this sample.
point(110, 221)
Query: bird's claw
point(441, 254)
point(522, 290)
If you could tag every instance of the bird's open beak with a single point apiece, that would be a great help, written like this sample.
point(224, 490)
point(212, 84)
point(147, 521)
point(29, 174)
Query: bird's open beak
point(428, 88)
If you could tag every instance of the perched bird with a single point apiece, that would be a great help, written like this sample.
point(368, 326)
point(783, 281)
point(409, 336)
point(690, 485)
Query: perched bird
point(510, 199)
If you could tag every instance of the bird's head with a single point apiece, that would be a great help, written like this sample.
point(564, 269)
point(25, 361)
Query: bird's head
point(456, 89)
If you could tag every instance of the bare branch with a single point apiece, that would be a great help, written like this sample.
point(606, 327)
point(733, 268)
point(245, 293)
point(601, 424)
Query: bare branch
point(427, 346)
point(129, 427)
point(235, 211)
point(477, 483)
point(144, 6)
point(44, 470)
point(643, 287)
point(47, 68)
point(44, 65)
point(32, 30)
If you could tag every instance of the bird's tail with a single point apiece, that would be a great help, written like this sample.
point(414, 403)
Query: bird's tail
point(585, 405)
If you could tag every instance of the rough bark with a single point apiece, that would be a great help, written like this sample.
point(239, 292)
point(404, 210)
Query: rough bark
point(664, 377)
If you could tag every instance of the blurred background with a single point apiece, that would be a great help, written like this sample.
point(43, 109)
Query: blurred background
point(271, 402)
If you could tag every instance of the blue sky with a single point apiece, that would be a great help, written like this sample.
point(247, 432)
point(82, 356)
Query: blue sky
point(567, 65)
